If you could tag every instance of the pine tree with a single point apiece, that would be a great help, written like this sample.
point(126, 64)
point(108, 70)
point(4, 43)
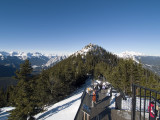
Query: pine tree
point(24, 98)
point(2, 98)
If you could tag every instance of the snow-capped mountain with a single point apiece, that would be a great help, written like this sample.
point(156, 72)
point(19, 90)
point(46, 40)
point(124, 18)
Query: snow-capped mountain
point(150, 62)
point(38, 61)
point(88, 48)
point(3, 53)
point(20, 55)
point(54, 60)
point(129, 54)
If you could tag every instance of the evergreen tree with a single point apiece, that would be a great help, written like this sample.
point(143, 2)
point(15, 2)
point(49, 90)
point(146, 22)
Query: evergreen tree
point(32, 93)
point(24, 98)
point(2, 98)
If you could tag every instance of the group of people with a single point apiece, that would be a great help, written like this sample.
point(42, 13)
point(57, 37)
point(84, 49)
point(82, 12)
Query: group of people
point(95, 90)
point(94, 93)
point(100, 86)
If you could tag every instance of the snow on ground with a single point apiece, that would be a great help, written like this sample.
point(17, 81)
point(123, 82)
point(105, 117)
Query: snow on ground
point(127, 104)
point(112, 101)
point(34, 66)
point(4, 112)
point(98, 81)
point(65, 109)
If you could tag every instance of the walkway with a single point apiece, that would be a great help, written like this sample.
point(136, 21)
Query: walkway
point(100, 111)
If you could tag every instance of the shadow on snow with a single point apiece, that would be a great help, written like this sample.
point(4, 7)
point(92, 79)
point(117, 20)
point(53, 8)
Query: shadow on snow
point(57, 109)
point(4, 115)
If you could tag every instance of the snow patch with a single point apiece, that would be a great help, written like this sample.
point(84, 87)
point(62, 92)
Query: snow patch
point(113, 98)
point(86, 49)
point(34, 66)
point(54, 60)
point(64, 110)
point(148, 65)
point(4, 112)
point(129, 54)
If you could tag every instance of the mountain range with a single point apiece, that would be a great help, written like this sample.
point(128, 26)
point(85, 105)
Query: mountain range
point(58, 82)
point(11, 60)
point(150, 62)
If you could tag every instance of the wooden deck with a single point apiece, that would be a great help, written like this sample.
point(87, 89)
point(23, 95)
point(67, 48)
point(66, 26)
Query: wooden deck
point(100, 111)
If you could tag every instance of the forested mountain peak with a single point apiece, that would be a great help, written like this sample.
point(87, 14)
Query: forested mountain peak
point(90, 48)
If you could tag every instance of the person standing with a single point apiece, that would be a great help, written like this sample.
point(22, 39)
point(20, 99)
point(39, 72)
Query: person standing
point(97, 95)
point(100, 86)
point(151, 110)
point(93, 98)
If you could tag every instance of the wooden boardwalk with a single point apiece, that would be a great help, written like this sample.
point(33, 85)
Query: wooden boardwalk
point(100, 111)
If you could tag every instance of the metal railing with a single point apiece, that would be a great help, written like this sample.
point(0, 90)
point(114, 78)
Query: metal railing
point(143, 96)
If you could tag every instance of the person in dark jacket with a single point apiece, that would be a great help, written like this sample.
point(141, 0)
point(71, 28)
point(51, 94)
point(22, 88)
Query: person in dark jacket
point(100, 87)
point(97, 95)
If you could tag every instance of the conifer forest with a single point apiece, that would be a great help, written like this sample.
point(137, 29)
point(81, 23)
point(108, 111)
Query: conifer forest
point(33, 92)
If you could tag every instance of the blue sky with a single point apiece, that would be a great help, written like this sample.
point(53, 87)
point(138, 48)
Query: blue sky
point(65, 26)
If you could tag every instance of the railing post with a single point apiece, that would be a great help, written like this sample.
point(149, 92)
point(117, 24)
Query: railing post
point(133, 101)
point(149, 104)
point(140, 103)
point(111, 92)
point(155, 103)
point(144, 103)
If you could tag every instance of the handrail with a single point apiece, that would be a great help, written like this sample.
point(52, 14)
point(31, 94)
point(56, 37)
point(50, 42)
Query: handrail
point(122, 94)
point(82, 98)
point(151, 96)
point(147, 88)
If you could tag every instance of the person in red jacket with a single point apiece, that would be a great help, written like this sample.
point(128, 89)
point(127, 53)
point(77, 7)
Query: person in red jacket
point(93, 98)
point(151, 110)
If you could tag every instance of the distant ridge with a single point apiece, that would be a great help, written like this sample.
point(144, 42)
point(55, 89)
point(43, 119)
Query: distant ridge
point(130, 54)
point(38, 60)
point(150, 62)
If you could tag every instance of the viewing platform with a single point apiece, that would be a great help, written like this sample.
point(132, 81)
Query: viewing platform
point(101, 110)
